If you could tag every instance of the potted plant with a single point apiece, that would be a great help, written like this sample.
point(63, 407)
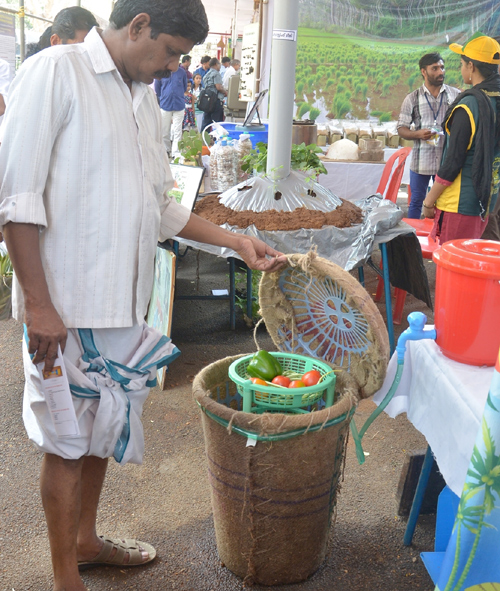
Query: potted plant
point(303, 158)
point(192, 148)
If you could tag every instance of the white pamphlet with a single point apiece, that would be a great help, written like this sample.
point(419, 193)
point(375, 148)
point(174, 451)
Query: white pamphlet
point(58, 397)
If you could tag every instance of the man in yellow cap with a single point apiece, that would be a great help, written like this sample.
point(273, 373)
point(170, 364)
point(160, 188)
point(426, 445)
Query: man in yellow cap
point(467, 182)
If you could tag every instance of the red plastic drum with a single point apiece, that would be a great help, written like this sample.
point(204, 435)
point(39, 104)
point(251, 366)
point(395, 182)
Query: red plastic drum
point(467, 306)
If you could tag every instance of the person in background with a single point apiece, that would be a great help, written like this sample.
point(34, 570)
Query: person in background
point(71, 25)
point(189, 120)
point(82, 230)
point(186, 64)
point(32, 49)
point(204, 67)
point(492, 230)
point(225, 61)
point(231, 71)
point(214, 80)
point(44, 40)
point(467, 182)
point(196, 93)
point(170, 92)
point(425, 109)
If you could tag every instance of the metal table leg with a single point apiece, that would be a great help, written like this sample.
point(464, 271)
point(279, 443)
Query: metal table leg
point(419, 496)
point(249, 293)
point(232, 293)
point(361, 276)
point(388, 298)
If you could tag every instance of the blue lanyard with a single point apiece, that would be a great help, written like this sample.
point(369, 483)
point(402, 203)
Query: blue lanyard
point(430, 106)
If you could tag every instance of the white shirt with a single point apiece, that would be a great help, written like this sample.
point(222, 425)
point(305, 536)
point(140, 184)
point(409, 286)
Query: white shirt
point(227, 74)
point(82, 157)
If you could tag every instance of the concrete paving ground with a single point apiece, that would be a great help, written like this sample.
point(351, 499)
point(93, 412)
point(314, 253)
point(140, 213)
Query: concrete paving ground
point(166, 501)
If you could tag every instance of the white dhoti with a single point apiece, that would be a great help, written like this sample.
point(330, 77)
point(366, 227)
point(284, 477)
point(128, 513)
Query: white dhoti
point(110, 371)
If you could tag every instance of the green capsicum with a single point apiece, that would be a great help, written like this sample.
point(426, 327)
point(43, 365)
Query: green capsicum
point(264, 366)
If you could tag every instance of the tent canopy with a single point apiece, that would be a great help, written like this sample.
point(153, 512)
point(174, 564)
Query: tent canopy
point(221, 15)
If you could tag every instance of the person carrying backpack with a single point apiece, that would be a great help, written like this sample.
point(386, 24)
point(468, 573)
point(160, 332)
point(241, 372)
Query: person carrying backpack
point(213, 84)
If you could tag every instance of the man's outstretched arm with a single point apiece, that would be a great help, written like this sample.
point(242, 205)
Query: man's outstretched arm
point(256, 254)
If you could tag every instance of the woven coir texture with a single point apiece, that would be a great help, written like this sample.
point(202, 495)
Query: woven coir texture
point(273, 503)
point(292, 326)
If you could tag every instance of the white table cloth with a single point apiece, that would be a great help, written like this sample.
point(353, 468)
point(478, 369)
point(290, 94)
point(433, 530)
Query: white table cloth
point(444, 400)
point(356, 180)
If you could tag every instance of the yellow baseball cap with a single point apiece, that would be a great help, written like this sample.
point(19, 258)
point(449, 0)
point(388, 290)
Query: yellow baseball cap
point(480, 48)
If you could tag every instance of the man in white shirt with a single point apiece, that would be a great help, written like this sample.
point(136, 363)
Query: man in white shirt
point(81, 225)
point(231, 71)
point(224, 65)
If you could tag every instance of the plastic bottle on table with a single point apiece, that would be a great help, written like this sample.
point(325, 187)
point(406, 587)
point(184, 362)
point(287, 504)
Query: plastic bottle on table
point(226, 166)
point(243, 148)
point(214, 182)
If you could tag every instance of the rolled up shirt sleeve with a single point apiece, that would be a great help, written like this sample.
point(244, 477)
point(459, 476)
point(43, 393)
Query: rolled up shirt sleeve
point(174, 217)
point(38, 107)
point(459, 142)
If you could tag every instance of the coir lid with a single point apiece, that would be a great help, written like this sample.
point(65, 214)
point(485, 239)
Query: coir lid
point(478, 258)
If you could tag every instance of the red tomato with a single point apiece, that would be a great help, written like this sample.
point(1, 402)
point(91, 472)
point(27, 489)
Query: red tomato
point(258, 381)
point(282, 381)
point(297, 384)
point(311, 378)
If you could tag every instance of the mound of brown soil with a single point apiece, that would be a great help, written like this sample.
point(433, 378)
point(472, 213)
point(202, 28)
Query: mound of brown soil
point(344, 216)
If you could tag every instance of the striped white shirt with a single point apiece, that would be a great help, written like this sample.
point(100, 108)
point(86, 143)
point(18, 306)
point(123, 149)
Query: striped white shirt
point(422, 109)
point(82, 157)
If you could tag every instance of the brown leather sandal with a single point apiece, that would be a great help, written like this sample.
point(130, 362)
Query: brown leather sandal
point(132, 547)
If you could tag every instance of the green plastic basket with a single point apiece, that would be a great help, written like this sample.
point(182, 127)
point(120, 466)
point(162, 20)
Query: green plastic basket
point(257, 398)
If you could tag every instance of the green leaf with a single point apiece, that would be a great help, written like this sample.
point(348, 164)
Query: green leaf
point(489, 402)
point(490, 460)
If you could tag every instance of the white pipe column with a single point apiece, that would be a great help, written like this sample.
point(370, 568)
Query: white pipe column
point(283, 60)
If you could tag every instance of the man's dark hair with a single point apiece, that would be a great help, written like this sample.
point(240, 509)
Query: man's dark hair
point(205, 59)
point(428, 59)
point(178, 18)
point(73, 19)
point(213, 62)
point(185, 58)
point(486, 70)
point(44, 40)
point(31, 49)
point(226, 60)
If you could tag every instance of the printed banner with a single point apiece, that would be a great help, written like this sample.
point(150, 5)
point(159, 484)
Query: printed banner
point(471, 562)
point(357, 59)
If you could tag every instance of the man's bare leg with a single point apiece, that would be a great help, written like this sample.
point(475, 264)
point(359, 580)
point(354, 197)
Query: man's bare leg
point(93, 473)
point(88, 543)
point(70, 494)
point(60, 486)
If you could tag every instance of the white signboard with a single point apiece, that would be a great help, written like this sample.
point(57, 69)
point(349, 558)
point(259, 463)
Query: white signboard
point(8, 40)
point(249, 62)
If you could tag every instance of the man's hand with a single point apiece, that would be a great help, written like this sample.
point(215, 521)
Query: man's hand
point(424, 134)
point(45, 327)
point(45, 332)
point(255, 252)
